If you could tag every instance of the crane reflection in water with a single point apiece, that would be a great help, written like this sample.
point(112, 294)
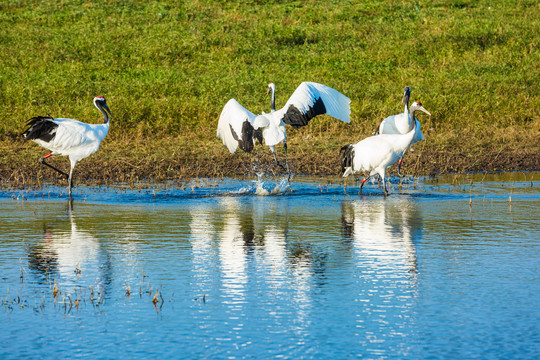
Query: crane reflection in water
point(247, 244)
point(66, 251)
point(383, 232)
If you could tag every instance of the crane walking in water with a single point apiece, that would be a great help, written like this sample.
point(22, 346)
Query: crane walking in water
point(376, 153)
point(238, 127)
point(68, 137)
point(400, 124)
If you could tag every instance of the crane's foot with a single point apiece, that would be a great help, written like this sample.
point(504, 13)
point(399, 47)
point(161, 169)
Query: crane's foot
point(281, 165)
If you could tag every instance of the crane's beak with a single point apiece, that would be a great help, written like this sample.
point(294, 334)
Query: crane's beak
point(421, 108)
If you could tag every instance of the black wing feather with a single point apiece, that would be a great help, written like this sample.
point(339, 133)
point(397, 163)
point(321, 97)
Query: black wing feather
point(40, 127)
point(297, 118)
point(246, 141)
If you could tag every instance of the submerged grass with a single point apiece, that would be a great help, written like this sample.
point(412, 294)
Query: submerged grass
point(167, 69)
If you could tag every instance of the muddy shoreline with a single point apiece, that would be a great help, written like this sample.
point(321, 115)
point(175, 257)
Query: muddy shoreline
point(126, 169)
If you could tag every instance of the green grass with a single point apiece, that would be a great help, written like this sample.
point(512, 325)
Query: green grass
point(167, 68)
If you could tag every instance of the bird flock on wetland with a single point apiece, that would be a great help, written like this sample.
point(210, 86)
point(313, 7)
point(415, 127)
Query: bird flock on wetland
point(240, 128)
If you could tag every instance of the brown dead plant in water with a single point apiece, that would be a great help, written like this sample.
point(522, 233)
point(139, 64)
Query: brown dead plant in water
point(55, 291)
point(158, 299)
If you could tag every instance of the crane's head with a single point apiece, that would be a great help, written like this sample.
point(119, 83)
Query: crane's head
point(417, 105)
point(271, 88)
point(101, 104)
point(406, 94)
point(99, 99)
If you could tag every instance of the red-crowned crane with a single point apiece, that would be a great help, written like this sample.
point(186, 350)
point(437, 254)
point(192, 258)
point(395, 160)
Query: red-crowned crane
point(376, 153)
point(68, 137)
point(400, 124)
point(238, 127)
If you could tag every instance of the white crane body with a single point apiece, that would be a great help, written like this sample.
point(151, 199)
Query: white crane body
point(376, 153)
point(69, 137)
point(75, 139)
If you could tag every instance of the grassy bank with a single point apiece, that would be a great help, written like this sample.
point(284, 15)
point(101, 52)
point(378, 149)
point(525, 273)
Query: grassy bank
point(168, 68)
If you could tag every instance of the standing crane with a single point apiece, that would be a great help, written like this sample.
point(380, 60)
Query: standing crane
point(68, 137)
point(400, 124)
point(376, 153)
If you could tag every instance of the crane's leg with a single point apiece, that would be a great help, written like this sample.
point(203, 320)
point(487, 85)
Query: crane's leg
point(361, 186)
point(399, 167)
point(70, 179)
point(42, 160)
point(287, 162)
point(384, 186)
point(276, 159)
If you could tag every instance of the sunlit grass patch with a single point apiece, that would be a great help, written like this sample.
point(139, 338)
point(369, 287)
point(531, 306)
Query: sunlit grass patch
point(167, 70)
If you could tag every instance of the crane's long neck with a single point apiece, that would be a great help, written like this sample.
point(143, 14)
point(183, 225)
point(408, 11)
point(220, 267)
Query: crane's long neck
point(406, 97)
point(105, 114)
point(412, 121)
point(273, 101)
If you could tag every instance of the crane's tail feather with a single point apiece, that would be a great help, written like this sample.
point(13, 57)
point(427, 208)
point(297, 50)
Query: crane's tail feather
point(40, 127)
point(347, 157)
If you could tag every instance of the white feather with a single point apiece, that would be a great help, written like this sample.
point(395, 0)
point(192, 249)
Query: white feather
point(395, 124)
point(399, 124)
point(234, 115)
point(274, 132)
point(337, 105)
point(75, 139)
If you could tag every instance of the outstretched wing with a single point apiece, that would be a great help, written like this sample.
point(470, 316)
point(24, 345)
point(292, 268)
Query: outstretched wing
point(311, 99)
point(235, 127)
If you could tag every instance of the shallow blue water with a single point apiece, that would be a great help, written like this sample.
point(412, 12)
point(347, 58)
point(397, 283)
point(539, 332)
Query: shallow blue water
point(225, 269)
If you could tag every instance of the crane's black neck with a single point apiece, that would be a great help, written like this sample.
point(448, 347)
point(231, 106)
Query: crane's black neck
point(406, 98)
point(273, 101)
point(412, 119)
point(104, 112)
point(105, 116)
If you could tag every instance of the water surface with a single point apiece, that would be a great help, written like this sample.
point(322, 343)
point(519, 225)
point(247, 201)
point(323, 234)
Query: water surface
point(235, 268)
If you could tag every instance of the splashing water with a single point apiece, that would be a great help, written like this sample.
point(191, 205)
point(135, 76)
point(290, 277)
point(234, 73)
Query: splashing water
point(280, 188)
